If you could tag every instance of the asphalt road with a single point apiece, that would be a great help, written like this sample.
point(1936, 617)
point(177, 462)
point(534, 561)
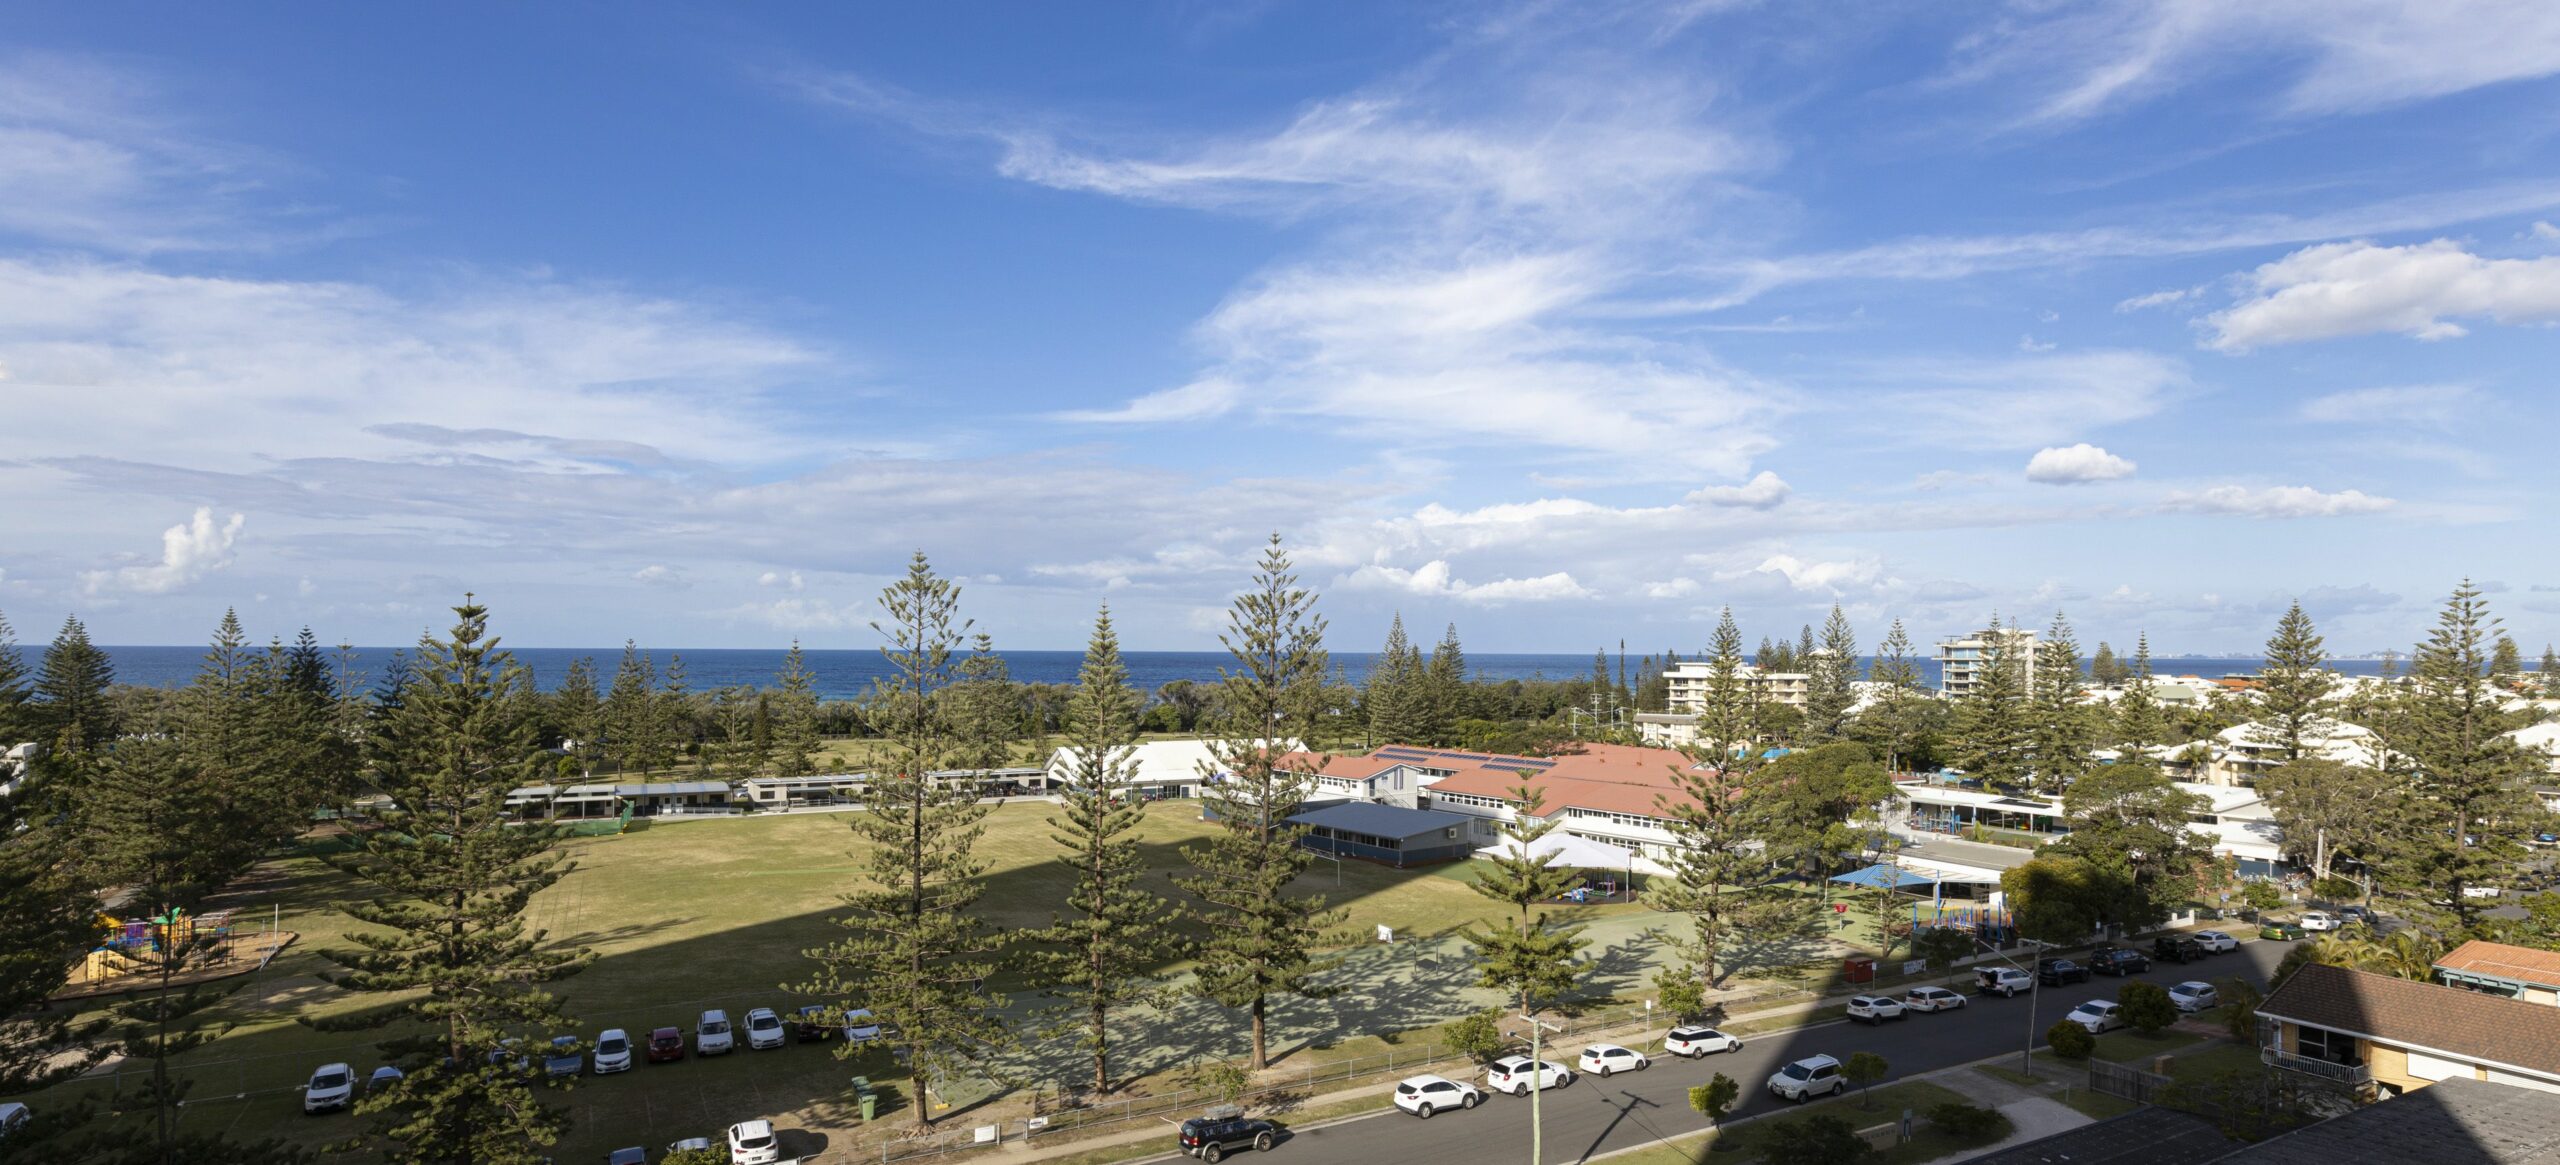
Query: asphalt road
point(1594, 1116)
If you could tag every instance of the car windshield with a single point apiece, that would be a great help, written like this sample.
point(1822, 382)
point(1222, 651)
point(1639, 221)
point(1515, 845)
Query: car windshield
point(1799, 1071)
point(764, 1021)
point(715, 1029)
point(667, 1038)
point(329, 1080)
point(610, 1047)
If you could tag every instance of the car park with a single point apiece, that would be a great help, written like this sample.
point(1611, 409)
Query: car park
point(2194, 995)
point(860, 1027)
point(383, 1077)
point(565, 1058)
point(753, 1143)
point(1807, 1078)
point(2119, 961)
point(666, 1045)
point(1699, 1042)
point(613, 1052)
point(1517, 1075)
point(2281, 931)
point(2097, 1015)
point(1874, 1008)
point(2177, 948)
point(712, 1036)
point(1224, 1130)
point(2006, 982)
point(764, 1029)
point(2216, 942)
point(333, 1086)
point(2056, 972)
point(1610, 1059)
point(2317, 920)
point(810, 1025)
point(635, 1155)
point(1931, 999)
point(1424, 1095)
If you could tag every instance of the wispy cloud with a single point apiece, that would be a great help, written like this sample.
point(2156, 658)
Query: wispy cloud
point(2429, 405)
point(2346, 289)
point(2283, 501)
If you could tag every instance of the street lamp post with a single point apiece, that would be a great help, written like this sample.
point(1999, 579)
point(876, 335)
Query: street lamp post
point(1537, 1083)
point(2035, 989)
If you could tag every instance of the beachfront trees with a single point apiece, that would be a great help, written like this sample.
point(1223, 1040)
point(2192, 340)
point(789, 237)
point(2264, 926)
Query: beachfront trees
point(1111, 950)
point(1989, 737)
point(1397, 696)
point(2326, 808)
point(1261, 939)
point(1523, 955)
point(2469, 796)
point(445, 954)
point(47, 915)
point(1728, 707)
point(914, 950)
point(2105, 670)
point(1445, 682)
point(635, 725)
point(2293, 684)
point(2139, 723)
point(1898, 723)
point(1833, 686)
point(2061, 728)
point(1721, 881)
point(2129, 823)
point(71, 710)
point(795, 734)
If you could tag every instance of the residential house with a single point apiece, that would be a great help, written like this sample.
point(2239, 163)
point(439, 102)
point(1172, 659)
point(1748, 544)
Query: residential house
point(2498, 969)
point(2374, 1032)
point(2244, 752)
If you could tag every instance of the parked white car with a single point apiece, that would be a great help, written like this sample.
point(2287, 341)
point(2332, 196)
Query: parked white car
point(1931, 999)
point(2319, 920)
point(1424, 1095)
point(613, 1052)
point(1807, 1078)
point(1874, 1008)
point(1610, 1059)
point(2097, 1015)
point(1699, 1042)
point(2216, 941)
point(2194, 996)
point(764, 1030)
point(712, 1036)
point(2005, 982)
point(753, 1143)
point(1517, 1075)
point(333, 1086)
point(859, 1027)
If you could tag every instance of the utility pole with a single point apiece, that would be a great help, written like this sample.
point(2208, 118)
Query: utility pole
point(1537, 1084)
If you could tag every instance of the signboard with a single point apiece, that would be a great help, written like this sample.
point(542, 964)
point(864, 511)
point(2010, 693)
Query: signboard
point(1839, 908)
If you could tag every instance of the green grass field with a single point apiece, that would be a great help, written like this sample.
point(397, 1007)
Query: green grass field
point(718, 913)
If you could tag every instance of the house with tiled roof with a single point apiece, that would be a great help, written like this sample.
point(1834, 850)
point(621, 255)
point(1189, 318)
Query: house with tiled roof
point(2498, 969)
point(2375, 1032)
point(1607, 793)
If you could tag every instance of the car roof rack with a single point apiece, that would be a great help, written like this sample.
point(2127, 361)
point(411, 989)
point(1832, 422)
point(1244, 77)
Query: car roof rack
point(1223, 1112)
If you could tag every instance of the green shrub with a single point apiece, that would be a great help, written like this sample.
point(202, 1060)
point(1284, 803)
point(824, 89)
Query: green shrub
point(2070, 1040)
point(2147, 1007)
point(1479, 1036)
point(1970, 1122)
point(1715, 1098)
point(1814, 1140)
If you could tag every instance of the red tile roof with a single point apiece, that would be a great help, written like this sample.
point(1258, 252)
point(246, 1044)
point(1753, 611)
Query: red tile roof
point(2429, 1016)
point(2500, 961)
point(1606, 778)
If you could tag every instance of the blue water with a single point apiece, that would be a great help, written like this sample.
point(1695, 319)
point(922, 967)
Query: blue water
point(844, 675)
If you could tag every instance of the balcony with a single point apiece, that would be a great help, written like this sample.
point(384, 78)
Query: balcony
point(2352, 1075)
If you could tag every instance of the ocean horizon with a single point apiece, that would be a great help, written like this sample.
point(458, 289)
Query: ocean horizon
point(842, 674)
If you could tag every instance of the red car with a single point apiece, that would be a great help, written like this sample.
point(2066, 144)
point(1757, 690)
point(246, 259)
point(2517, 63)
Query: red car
point(666, 1044)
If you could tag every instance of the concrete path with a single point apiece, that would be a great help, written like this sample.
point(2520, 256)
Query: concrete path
point(2031, 1115)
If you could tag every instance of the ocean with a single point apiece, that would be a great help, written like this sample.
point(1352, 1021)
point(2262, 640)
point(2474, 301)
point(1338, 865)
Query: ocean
point(843, 675)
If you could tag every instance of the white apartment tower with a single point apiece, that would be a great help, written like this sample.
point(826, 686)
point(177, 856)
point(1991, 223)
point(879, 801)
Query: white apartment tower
point(1961, 659)
point(1688, 679)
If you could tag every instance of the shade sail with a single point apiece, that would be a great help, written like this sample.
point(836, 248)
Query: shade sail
point(1565, 849)
point(1883, 877)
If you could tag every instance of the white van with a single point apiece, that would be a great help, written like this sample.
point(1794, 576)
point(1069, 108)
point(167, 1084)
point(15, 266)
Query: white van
point(712, 1037)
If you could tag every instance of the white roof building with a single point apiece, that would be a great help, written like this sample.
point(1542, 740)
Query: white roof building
point(2543, 738)
point(2244, 752)
point(1169, 765)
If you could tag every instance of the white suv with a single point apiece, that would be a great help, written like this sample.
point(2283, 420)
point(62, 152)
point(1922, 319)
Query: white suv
point(1807, 1078)
point(764, 1029)
point(2319, 920)
point(1874, 1008)
point(2097, 1015)
point(333, 1086)
point(2216, 941)
point(2194, 995)
point(753, 1143)
point(1931, 999)
point(1610, 1059)
point(1424, 1095)
point(1696, 1042)
point(713, 1037)
point(1513, 1074)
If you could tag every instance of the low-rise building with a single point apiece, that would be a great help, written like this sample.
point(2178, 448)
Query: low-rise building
point(2243, 753)
point(2498, 969)
point(818, 790)
point(2373, 1032)
point(1687, 683)
point(1156, 768)
point(1390, 835)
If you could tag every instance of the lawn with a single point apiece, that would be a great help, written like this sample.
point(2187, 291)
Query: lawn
point(719, 913)
point(1741, 1142)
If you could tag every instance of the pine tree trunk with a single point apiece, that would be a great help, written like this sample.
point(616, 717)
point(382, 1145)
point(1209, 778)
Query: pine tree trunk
point(1260, 1061)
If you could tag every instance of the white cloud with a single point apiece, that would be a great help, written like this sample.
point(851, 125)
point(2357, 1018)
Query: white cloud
point(1765, 490)
point(189, 551)
point(2346, 289)
point(1435, 579)
point(659, 574)
point(1678, 588)
point(2432, 405)
point(2340, 55)
point(2284, 501)
point(2026, 402)
point(1806, 575)
point(2546, 232)
point(781, 578)
point(2073, 464)
point(2160, 298)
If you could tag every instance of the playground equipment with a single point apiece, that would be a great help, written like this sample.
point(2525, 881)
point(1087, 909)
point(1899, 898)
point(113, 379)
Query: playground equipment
point(126, 944)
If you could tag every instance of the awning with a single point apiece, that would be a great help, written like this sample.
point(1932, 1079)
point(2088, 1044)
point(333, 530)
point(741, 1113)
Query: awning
point(1883, 877)
point(1566, 849)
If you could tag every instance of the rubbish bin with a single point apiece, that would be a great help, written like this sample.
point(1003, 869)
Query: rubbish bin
point(870, 1105)
point(1859, 969)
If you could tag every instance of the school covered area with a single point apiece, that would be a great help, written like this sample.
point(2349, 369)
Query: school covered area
point(1390, 835)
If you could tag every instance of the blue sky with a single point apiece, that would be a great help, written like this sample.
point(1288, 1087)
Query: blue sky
point(1565, 322)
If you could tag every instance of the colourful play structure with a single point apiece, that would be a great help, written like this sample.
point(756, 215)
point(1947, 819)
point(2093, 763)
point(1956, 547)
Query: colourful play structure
point(121, 940)
point(1993, 926)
